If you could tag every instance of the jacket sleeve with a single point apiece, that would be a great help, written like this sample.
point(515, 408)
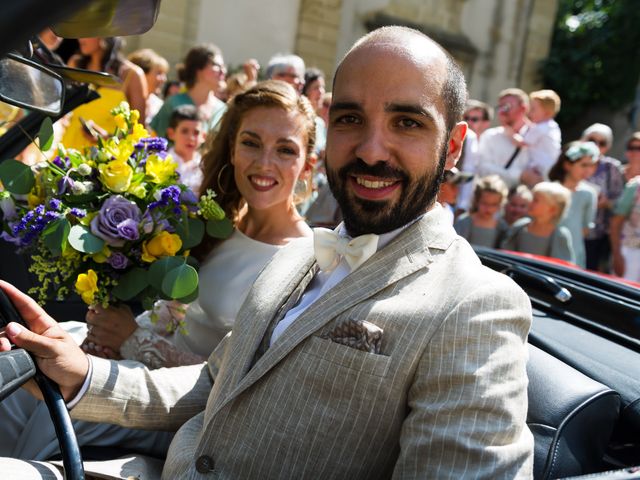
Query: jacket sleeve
point(468, 402)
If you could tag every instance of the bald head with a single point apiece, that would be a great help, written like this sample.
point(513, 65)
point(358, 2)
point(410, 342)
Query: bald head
point(421, 50)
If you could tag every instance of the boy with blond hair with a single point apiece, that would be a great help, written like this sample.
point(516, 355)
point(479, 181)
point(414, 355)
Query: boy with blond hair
point(543, 139)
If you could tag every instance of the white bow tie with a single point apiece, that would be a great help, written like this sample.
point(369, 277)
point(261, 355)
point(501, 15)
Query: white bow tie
point(329, 246)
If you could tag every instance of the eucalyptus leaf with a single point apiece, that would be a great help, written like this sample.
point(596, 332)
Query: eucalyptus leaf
point(81, 238)
point(180, 282)
point(16, 177)
point(55, 236)
point(219, 228)
point(191, 232)
point(159, 269)
point(190, 298)
point(45, 135)
point(131, 284)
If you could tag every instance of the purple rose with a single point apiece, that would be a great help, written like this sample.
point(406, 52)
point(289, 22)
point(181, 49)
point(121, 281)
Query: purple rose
point(115, 211)
point(128, 229)
point(118, 261)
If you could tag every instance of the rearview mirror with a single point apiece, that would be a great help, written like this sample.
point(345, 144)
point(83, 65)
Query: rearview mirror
point(30, 85)
point(110, 18)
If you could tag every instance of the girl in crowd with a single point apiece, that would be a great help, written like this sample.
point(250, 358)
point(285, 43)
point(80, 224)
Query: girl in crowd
point(155, 70)
point(539, 233)
point(517, 204)
point(253, 163)
point(576, 163)
point(483, 226)
point(203, 74)
point(93, 119)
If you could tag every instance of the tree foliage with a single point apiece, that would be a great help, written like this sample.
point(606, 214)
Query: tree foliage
point(595, 55)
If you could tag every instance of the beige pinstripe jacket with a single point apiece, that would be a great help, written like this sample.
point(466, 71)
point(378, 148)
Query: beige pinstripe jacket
point(446, 398)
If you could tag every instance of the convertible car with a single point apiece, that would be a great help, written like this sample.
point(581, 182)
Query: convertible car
point(584, 345)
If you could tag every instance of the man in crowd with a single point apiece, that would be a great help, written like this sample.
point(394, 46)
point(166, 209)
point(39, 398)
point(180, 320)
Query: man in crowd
point(478, 116)
point(395, 353)
point(501, 148)
point(288, 68)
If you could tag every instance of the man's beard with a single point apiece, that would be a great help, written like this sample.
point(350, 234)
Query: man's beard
point(372, 216)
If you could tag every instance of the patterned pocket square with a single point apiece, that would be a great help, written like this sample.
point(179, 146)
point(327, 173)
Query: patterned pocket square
point(358, 334)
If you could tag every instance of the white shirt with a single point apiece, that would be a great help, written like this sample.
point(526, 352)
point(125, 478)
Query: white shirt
point(495, 151)
point(544, 142)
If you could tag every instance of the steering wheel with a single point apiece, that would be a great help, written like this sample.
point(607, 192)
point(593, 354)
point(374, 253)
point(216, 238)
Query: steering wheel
point(16, 367)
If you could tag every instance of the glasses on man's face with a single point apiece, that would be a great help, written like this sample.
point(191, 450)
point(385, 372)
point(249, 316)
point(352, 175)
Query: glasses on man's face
point(598, 141)
point(633, 148)
point(473, 119)
point(504, 108)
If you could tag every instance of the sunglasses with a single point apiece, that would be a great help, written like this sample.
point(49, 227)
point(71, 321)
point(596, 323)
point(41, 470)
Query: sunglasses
point(600, 143)
point(504, 108)
point(473, 119)
point(633, 148)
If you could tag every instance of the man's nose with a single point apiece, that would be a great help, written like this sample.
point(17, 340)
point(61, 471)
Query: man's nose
point(373, 146)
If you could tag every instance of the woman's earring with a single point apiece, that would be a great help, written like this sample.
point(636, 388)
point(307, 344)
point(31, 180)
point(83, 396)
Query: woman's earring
point(221, 190)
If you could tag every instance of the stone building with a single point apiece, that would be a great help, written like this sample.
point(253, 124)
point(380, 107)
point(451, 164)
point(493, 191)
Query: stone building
point(499, 43)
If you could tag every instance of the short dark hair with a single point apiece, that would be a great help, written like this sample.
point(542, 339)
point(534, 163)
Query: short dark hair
point(311, 75)
point(487, 110)
point(184, 112)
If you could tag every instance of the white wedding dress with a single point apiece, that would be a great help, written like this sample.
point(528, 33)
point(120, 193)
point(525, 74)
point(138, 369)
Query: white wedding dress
point(225, 279)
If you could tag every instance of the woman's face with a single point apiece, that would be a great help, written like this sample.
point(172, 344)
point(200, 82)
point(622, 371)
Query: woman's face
point(269, 155)
point(315, 91)
point(633, 153)
point(213, 74)
point(156, 78)
point(89, 46)
point(580, 169)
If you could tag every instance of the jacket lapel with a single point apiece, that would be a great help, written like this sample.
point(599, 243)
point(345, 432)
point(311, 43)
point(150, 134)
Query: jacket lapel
point(406, 254)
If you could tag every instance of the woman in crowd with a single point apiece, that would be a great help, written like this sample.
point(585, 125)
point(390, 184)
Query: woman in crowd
point(539, 232)
point(155, 70)
point(632, 152)
point(483, 226)
point(93, 119)
point(253, 163)
point(576, 163)
point(203, 73)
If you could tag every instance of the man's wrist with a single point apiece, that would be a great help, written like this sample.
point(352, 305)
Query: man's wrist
point(83, 388)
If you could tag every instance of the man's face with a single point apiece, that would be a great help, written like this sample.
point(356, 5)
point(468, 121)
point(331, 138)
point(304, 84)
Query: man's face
point(475, 119)
point(510, 111)
point(387, 142)
point(290, 76)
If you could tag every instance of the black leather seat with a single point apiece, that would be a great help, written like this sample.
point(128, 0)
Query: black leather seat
point(570, 415)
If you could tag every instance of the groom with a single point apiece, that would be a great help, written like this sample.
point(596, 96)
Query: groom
point(395, 354)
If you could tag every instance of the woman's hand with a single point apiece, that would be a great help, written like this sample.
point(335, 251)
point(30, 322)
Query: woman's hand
point(107, 329)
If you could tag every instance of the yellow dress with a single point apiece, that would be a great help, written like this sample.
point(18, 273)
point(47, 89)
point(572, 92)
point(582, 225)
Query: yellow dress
point(96, 110)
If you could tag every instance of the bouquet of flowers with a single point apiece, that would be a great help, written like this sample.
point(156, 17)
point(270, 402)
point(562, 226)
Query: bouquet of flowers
point(112, 222)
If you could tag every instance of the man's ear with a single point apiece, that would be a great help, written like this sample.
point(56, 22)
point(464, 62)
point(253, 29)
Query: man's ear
point(455, 143)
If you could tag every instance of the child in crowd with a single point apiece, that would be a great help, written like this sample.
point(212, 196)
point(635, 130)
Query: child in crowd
point(448, 193)
point(577, 163)
point(539, 233)
point(543, 138)
point(625, 232)
point(483, 226)
point(517, 204)
point(186, 133)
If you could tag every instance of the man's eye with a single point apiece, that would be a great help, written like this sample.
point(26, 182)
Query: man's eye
point(408, 123)
point(347, 119)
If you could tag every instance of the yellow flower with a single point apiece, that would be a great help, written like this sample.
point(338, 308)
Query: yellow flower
point(138, 132)
point(138, 190)
point(121, 122)
point(87, 286)
point(135, 116)
point(116, 175)
point(164, 244)
point(160, 170)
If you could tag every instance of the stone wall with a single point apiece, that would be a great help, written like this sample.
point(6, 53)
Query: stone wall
point(317, 36)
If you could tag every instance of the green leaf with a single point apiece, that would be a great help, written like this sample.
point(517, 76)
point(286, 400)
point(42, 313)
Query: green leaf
point(84, 241)
point(55, 236)
point(16, 177)
point(131, 284)
point(220, 228)
point(45, 135)
point(190, 298)
point(180, 282)
point(159, 269)
point(191, 232)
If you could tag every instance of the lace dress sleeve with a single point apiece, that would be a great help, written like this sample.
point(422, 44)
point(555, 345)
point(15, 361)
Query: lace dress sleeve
point(151, 343)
